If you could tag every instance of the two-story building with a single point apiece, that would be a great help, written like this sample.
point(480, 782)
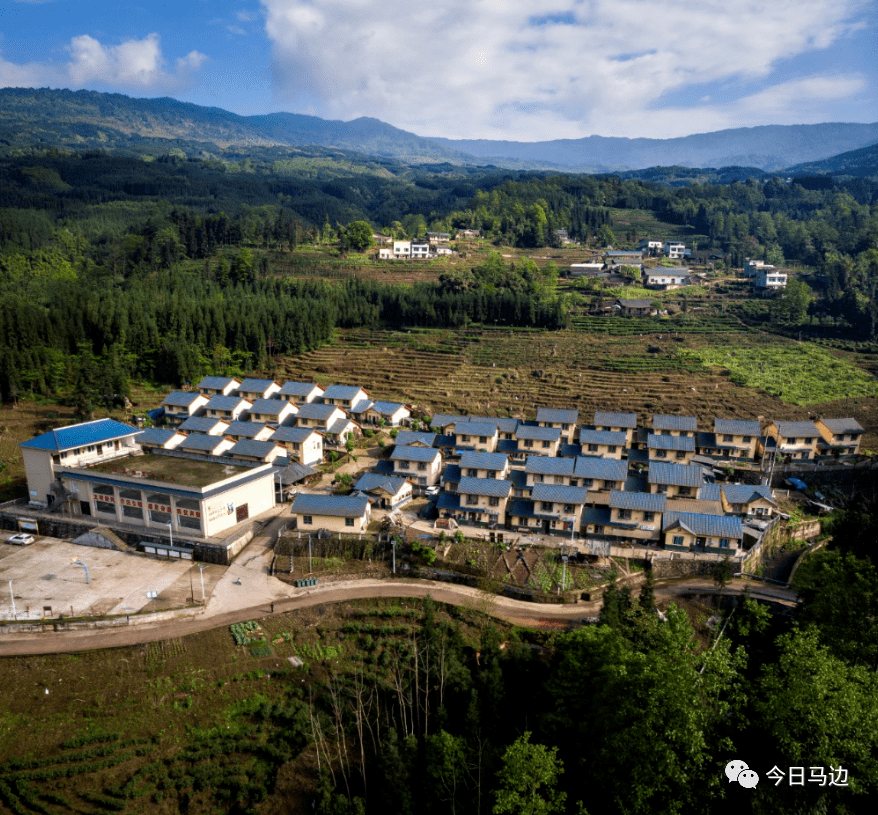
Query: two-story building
point(678, 449)
point(300, 392)
point(474, 464)
point(342, 514)
point(603, 443)
point(475, 436)
point(228, 408)
point(303, 444)
point(182, 405)
point(616, 423)
point(538, 441)
point(672, 480)
point(561, 418)
point(253, 389)
point(635, 516)
point(839, 438)
point(219, 385)
point(422, 466)
point(273, 411)
point(794, 440)
point(693, 532)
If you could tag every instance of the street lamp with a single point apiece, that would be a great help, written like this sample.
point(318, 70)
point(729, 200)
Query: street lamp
point(201, 569)
point(12, 597)
point(171, 531)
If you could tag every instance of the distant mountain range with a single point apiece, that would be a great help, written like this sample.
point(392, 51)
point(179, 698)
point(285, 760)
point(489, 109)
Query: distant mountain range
point(80, 119)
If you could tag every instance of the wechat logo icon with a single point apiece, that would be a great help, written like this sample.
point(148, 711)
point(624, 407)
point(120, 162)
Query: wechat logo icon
point(737, 770)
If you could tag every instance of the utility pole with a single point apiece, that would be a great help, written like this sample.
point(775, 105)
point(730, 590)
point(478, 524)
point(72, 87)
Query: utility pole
point(201, 569)
point(12, 597)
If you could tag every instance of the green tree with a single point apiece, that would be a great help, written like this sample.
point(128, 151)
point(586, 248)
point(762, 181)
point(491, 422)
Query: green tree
point(357, 236)
point(528, 779)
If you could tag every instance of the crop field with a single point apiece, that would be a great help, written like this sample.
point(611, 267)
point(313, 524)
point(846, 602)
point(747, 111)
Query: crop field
point(194, 724)
point(642, 366)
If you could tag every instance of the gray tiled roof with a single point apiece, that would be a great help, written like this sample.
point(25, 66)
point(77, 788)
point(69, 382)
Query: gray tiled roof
point(608, 419)
point(387, 408)
point(201, 424)
point(217, 383)
point(612, 437)
point(791, 430)
point(443, 420)
point(292, 434)
point(403, 453)
point(710, 492)
point(244, 430)
point(227, 403)
point(678, 475)
point(661, 421)
point(378, 481)
point(255, 385)
point(181, 398)
point(269, 407)
point(494, 487)
point(341, 391)
point(412, 436)
point(524, 431)
point(557, 415)
point(684, 443)
point(472, 460)
point(838, 426)
point(736, 427)
point(720, 526)
point(605, 469)
point(546, 465)
point(200, 442)
point(644, 501)
point(251, 448)
point(560, 494)
point(316, 411)
point(475, 429)
point(343, 506)
point(299, 390)
point(155, 435)
point(745, 493)
point(361, 406)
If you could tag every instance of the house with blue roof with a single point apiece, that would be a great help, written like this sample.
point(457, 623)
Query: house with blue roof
point(345, 396)
point(415, 438)
point(258, 431)
point(736, 438)
point(748, 500)
point(342, 514)
point(599, 474)
point(253, 389)
point(300, 392)
point(604, 443)
point(182, 405)
point(228, 408)
point(476, 436)
point(206, 445)
point(675, 479)
point(261, 452)
point(617, 423)
point(483, 500)
point(673, 425)
point(678, 449)
point(840, 438)
point(796, 441)
point(561, 418)
point(393, 414)
point(538, 441)
point(160, 438)
point(76, 445)
point(273, 411)
point(484, 465)
point(204, 424)
point(692, 532)
point(635, 516)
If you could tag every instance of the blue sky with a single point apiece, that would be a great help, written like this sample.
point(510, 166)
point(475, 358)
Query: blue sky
point(468, 68)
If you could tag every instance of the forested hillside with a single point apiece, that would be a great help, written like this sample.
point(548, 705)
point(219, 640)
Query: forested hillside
point(166, 268)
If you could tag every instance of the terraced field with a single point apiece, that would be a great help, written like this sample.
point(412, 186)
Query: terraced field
point(512, 372)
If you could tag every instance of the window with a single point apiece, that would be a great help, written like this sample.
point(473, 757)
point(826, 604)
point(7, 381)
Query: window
point(700, 541)
point(538, 478)
point(792, 441)
point(568, 508)
point(609, 485)
point(611, 448)
point(648, 516)
point(681, 454)
point(589, 482)
point(483, 439)
point(624, 514)
point(348, 521)
point(528, 443)
point(464, 438)
point(661, 453)
point(592, 448)
point(494, 502)
point(472, 473)
point(678, 540)
point(472, 500)
point(574, 482)
point(546, 506)
point(685, 491)
point(545, 444)
point(724, 543)
point(422, 466)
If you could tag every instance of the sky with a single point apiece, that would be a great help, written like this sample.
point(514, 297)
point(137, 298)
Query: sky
point(467, 69)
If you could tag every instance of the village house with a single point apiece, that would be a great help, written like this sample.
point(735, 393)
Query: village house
point(692, 532)
point(402, 249)
point(674, 250)
point(623, 257)
point(257, 431)
point(336, 513)
point(252, 389)
point(418, 464)
point(204, 445)
point(273, 411)
point(675, 479)
point(476, 436)
point(635, 516)
point(159, 438)
point(679, 449)
point(415, 438)
point(261, 452)
point(478, 500)
point(182, 405)
point(626, 307)
point(752, 267)
point(303, 444)
point(205, 424)
point(665, 425)
point(393, 414)
point(731, 438)
point(384, 491)
point(229, 408)
point(345, 396)
point(839, 437)
point(651, 247)
point(320, 417)
point(794, 440)
point(769, 280)
point(616, 422)
point(484, 465)
point(599, 475)
point(300, 392)
point(538, 441)
point(603, 443)
point(563, 419)
point(219, 385)
point(746, 500)
point(665, 279)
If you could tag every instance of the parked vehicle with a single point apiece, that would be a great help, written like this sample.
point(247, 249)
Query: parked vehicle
point(21, 539)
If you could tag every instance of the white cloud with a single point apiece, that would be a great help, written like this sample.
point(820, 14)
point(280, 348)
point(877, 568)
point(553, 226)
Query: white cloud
point(133, 64)
point(498, 69)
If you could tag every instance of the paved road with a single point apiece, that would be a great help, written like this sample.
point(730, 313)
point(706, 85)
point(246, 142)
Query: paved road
point(289, 599)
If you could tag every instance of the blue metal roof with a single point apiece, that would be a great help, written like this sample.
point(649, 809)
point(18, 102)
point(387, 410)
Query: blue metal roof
point(201, 442)
point(80, 435)
point(518, 479)
point(661, 421)
point(719, 526)
point(475, 429)
point(605, 469)
point(604, 418)
point(560, 494)
point(255, 385)
point(217, 383)
point(310, 410)
point(299, 389)
point(546, 465)
point(683, 443)
point(494, 487)
point(596, 515)
point(292, 434)
point(343, 392)
point(451, 474)
point(569, 450)
point(402, 453)
point(442, 420)
point(644, 501)
point(227, 402)
point(746, 493)
point(678, 475)
point(155, 435)
point(472, 460)
point(342, 506)
point(448, 500)
point(736, 427)
point(269, 407)
point(378, 481)
point(710, 492)
point(557, 415)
